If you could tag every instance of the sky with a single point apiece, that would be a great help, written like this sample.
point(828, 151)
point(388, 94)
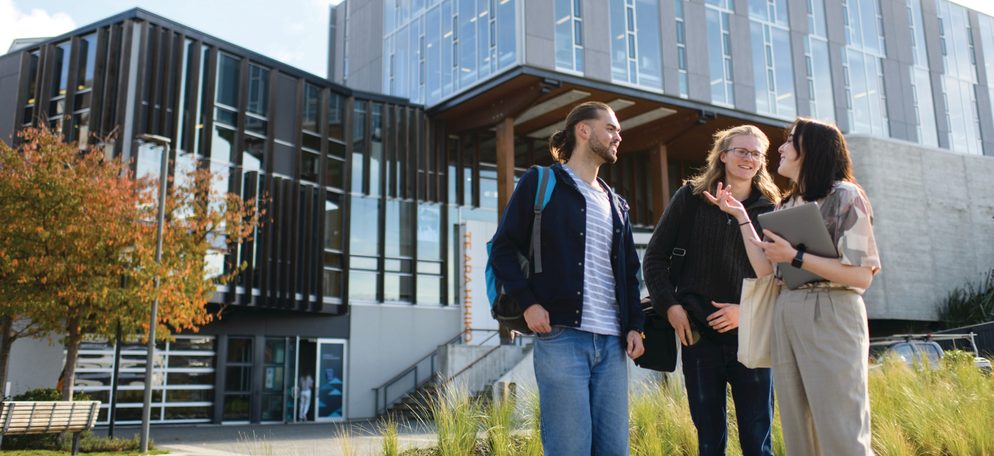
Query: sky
point(294, 32)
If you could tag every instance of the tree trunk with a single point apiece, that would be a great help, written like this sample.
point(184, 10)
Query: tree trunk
point(73, 340)
point(6, 340)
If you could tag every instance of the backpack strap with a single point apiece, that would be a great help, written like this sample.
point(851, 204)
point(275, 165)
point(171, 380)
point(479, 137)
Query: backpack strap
point(543, 193)
point(679, 252)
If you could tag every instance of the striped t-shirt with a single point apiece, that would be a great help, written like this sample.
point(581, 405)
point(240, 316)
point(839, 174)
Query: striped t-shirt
point(600, 308)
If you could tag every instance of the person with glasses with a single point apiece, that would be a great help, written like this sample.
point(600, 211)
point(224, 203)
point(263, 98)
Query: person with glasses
point(702, 302)
point(820, 345)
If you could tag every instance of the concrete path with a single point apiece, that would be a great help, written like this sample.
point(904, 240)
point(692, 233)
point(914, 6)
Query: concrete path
point(306, 439)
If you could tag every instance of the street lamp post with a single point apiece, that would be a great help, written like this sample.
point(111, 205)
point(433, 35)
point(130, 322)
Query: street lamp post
point(153, 321)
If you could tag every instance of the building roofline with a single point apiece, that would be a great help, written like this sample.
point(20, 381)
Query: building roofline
point(525, 70)
point(147, 16)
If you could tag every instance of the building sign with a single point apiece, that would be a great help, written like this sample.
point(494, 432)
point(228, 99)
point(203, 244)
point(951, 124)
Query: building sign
point(478, 324)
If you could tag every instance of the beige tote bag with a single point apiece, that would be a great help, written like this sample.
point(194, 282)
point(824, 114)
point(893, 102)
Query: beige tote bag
point(756, 320)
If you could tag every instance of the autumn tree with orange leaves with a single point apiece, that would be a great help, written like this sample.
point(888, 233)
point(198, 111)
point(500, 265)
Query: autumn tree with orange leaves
point(77, 244)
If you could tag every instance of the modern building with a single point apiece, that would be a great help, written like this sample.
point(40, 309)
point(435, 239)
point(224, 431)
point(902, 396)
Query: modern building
point(270, 130)
point(910, 82)
point(386, 179)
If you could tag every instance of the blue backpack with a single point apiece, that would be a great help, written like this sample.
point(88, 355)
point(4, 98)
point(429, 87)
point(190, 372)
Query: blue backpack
point(504, 308)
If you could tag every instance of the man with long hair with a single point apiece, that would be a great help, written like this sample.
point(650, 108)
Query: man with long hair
point(584, 304)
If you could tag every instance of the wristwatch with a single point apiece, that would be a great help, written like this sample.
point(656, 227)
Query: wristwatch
point(798, 260)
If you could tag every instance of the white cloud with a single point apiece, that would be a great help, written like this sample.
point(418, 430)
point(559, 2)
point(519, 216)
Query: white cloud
point(15, 23)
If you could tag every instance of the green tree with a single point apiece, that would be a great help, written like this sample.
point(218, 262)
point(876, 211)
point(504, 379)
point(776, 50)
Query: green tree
point(77, 256)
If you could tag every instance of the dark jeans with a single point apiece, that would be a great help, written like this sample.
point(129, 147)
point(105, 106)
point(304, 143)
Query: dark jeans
point(707, 367)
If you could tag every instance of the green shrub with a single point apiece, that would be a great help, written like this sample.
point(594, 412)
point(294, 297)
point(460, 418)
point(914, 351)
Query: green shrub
point(970, 304)
point(89, 443)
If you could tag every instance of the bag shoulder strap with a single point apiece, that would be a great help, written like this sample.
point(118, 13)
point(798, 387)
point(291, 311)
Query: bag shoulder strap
point(543, 193)
point(687, 220)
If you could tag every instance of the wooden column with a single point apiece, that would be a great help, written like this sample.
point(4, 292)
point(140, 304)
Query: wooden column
point(505, 163)
point(659, 172)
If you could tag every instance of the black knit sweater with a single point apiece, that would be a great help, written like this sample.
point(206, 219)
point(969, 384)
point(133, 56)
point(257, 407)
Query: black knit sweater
point(715, 264)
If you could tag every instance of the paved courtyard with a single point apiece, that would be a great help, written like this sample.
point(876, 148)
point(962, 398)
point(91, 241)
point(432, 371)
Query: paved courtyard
point(359, 438)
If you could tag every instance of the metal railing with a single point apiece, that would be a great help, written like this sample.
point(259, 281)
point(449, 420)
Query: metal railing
point(409, 379)
point(418, 374)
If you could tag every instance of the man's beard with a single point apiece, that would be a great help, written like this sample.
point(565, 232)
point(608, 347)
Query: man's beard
point(603, 151)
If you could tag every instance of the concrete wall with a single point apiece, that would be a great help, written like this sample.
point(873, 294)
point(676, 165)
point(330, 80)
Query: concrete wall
point(386, 339)
point(540, 38)
point(934, 225)
point(34, 363)
point(478, 366)
point(364, 24)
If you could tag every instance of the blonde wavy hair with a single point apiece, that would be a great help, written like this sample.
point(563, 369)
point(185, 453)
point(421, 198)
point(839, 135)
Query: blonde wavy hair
point(715, 170)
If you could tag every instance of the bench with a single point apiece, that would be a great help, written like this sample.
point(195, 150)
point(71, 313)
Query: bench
point(48, 417)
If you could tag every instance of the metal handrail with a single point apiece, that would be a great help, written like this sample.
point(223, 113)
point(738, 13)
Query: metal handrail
point(384, 388)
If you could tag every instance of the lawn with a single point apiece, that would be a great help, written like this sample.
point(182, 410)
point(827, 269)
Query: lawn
point(947, 410)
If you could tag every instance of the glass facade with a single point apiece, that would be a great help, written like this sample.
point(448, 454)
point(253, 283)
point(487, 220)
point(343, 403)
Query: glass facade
point(987, 41)
point(959, 79)
point(773, 67)
point(569, 35)
point(718, 15)
point(434, 49)
point(863, 67)
point(816, 63)
point(681, 49)
point(921, 82)
point(182, 379)
point(635, 43)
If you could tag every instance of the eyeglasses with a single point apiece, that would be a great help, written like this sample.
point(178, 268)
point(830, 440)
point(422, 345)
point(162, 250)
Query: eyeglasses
point(743, 153)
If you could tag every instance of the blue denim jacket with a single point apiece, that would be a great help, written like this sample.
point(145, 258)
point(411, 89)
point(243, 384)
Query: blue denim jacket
point(559, 287)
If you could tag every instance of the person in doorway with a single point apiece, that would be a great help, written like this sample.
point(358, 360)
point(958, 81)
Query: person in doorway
point(306, 387)
point(584, 305)
point(702, 302)
point(820, 334)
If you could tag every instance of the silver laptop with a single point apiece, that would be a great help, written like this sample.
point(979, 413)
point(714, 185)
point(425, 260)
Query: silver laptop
point(800, 225)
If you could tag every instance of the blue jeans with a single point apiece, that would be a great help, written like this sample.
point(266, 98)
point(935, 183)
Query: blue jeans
point(583, 393)
point(708, 367)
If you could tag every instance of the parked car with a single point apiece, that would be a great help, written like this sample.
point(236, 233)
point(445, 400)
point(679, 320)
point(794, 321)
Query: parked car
point(915, 348)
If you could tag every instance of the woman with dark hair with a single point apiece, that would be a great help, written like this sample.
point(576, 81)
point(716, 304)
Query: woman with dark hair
point(703, 298)
point(820, 336)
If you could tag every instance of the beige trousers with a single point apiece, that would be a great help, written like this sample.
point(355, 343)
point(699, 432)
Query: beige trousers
point(820, 354)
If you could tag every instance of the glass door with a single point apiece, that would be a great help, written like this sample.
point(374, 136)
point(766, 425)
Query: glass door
point(274, 379)
point(330, 380)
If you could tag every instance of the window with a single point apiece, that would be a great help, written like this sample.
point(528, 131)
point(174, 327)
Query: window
point(310, 150)
point(958, 82)
point(438, 48)
point(333, 241)
point(256, 120)
point(32, 76)
point(358, 146)
point(398, 278)
point(816, 63)
point(86, 61)
point(987, 40)
point(921, 83)
point(429, 273)
point(569, 35)
point(238, 379)
point(185, 367)
point(681, 49)
point(773, 69)
point(863, 67)
point(635, 42)
point(59, 87)
point(718, 14)
point(364, 231)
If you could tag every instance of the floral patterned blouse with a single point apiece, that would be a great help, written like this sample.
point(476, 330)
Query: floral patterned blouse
point(849, 219)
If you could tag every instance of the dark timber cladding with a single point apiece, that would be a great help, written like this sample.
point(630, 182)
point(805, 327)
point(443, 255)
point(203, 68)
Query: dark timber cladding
point(271, 130)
